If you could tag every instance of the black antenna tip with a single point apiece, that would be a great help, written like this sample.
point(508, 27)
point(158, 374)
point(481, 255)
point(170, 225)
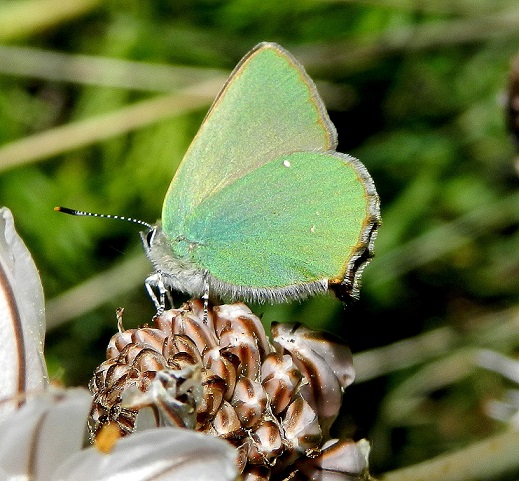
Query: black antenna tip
point(65, 210)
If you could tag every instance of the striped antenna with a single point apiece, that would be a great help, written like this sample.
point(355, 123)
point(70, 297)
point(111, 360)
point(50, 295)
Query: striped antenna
point(66, 210)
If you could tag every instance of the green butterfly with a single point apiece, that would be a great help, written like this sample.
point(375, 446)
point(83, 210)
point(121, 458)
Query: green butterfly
point(262, 207)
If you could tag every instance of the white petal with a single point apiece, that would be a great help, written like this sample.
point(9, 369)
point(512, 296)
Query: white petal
point(22, 319)
point(164, 454)
point(38, 437)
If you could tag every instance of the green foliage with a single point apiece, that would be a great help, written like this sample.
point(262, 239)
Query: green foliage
point(417, 92)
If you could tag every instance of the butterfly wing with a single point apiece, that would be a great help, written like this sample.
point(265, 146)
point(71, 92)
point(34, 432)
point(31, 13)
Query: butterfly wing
point(261, 201)
point(269, 107)
point(287, 228)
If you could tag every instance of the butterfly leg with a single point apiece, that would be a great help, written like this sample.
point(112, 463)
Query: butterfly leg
point(155, 280)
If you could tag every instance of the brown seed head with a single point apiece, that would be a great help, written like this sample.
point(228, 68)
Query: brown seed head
point(219, 374)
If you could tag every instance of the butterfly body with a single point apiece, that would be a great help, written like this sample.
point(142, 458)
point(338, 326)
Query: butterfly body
point(176, 272)
point(262, 207)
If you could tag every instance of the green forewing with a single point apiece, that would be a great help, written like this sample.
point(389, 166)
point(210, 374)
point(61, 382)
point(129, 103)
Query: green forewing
point(268, 108)
point(296, 219)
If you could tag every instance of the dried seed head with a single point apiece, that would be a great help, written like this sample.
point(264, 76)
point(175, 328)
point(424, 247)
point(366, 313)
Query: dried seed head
point(220, 375)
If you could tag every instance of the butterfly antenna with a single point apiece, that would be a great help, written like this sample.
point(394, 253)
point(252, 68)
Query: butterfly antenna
point(66, 210)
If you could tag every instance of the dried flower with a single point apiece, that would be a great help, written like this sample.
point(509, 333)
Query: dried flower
point(219, 374)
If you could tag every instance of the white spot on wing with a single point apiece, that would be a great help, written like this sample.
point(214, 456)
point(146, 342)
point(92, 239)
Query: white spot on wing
point(286, 163)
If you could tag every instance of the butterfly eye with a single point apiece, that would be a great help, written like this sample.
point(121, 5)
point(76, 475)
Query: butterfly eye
point(150, 236)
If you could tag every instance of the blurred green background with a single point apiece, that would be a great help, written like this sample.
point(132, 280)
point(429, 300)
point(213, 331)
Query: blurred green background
point(100, 99)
